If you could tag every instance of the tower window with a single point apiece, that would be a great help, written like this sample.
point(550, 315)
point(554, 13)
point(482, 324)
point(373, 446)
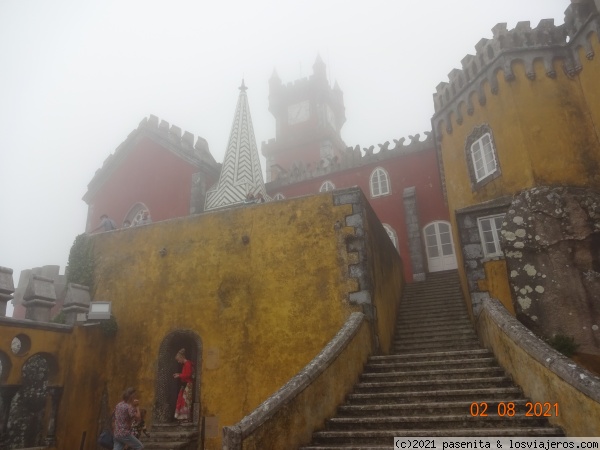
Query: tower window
point(489, 231)
point(327, 186)
point(380, 183)
point(482, 158)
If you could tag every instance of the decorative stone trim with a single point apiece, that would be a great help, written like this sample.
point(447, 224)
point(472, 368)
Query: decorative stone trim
point(356, 245)
point(413, 230)
point(352, 158)
point(234, 436)
point(472, 247)
point(546, 42)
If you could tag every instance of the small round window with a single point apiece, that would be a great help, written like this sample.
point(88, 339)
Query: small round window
point(20, 344)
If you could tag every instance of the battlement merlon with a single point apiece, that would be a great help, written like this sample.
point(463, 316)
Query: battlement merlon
point(352, 157)
point(546, 42)
point(171, 136)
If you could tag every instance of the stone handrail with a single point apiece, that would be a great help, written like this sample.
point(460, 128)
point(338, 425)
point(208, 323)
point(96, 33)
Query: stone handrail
point(267, 418)
point(544, 374)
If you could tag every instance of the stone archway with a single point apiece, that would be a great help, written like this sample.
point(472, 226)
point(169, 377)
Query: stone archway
point(166, 386)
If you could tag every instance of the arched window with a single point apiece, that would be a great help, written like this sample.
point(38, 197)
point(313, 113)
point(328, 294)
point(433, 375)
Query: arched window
point(392, 234)
point(380, 182)
point(135, 216)
point(279, 196)
point(327, 186)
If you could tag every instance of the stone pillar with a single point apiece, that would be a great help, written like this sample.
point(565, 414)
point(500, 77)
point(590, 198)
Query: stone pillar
point(54, 395)
point(77, 301)
point(413, 230)
point(6, 288)
point(39, 298)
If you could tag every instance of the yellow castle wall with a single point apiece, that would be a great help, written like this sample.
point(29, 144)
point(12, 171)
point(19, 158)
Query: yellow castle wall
point(545, 132)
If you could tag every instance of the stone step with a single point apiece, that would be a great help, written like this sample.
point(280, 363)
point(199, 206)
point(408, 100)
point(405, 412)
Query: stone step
point(424, 334)
point(430, 297)
point(428, 408)
point(432, 374)
point(386, 437)
point(438, 346)
point(428, 422)
point(424, 365)
point(408, 308)
point(433, 356)
point(432, 323)
point(163, 436)
point(418, 315)
point(393, 392)
point(436, 338)
point(184, 445)
point(449, 328)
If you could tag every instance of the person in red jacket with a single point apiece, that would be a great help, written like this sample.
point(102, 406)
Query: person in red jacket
point(184, 398)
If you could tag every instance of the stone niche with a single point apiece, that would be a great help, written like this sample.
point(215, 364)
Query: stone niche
point(551, 241)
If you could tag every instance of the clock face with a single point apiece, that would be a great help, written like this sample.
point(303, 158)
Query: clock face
point(298, 112)
point(330, 116)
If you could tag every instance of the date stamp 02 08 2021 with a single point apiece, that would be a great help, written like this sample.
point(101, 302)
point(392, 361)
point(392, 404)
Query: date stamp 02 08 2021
point(532, 409)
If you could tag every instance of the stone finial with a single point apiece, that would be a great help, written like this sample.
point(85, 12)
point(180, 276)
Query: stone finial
point(7, 288)
point(39, 298)
point(77, 301)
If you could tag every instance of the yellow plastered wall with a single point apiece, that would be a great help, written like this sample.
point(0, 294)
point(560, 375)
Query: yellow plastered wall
point(265, 287)
point(79, 355)
point(496, 282)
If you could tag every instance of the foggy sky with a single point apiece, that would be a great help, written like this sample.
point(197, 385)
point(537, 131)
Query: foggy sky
point(77, 77)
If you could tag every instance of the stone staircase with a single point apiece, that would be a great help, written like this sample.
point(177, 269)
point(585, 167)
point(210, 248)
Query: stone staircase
point(426, 387)
point(171, 436)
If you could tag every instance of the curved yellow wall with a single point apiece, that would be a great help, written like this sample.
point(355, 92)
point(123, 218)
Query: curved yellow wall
point(266, 307)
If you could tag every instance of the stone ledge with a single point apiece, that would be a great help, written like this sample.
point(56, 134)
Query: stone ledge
point(27, 323)
point(565, 368)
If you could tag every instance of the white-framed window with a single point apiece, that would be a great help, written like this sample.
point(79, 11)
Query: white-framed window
point(392, 234)
point(483, 156)
point(279, 196)
point(380, 182)
point(327, 186)
point(489, 231)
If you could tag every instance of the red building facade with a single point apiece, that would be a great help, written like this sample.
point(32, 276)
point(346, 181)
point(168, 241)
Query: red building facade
point(402, 183)
point(155, 169)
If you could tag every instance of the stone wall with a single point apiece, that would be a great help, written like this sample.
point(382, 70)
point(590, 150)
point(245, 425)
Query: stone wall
point(551, 239)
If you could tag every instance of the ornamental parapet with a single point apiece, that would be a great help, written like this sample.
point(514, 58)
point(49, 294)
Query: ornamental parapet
point(547, 42)
point(353, 157)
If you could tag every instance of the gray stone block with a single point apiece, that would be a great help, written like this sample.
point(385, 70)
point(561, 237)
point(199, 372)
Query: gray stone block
point(7, 288)
point(39, 298)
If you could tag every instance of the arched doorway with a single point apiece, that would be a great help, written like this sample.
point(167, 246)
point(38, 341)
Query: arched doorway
point(167, 387)
point(440, 249)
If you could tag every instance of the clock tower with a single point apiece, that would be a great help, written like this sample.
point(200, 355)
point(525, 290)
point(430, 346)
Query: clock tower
point(309, 115)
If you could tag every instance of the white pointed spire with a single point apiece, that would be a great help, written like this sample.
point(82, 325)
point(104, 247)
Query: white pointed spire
point(241, 175)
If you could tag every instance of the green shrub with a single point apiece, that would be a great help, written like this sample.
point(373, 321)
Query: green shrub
point(564, 344)
point(80, 268)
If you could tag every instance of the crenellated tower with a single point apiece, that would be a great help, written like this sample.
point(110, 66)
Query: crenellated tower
point(309, 115)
